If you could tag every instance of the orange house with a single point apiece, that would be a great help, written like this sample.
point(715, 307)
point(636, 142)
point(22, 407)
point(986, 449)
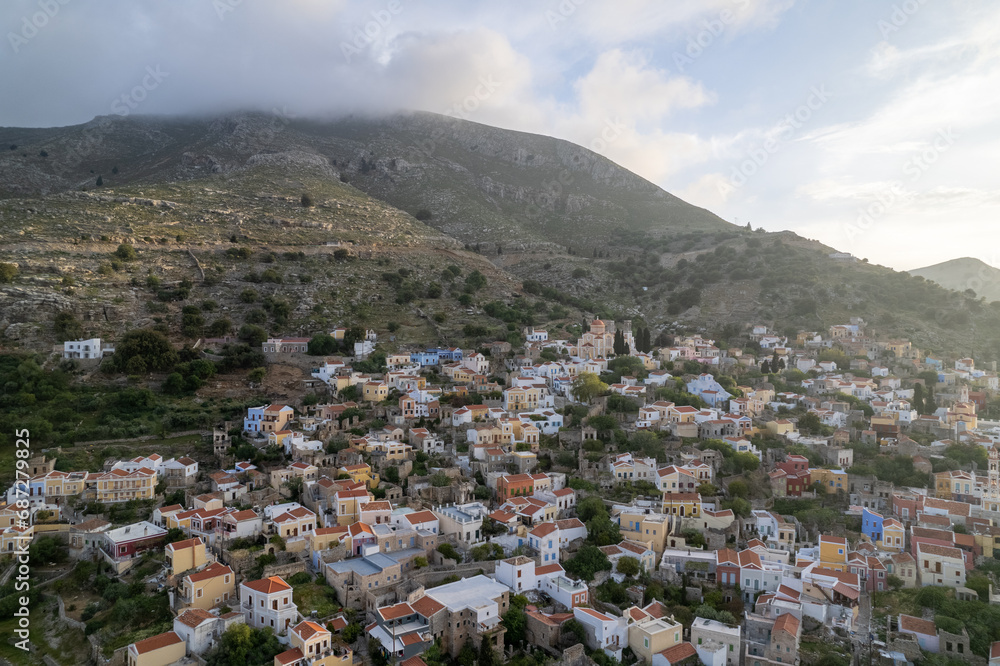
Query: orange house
point(510, 485)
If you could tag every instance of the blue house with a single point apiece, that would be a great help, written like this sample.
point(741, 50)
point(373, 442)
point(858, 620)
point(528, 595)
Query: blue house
point(425, 358)
point(448, 355)
point(871, 524)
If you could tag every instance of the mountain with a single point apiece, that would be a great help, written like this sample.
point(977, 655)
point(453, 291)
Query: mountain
point(962, 274)
point(418, 202)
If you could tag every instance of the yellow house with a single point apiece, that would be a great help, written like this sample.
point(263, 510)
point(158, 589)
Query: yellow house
point(278, 437)
point(833, 552)
point(187, 554)
point(780, 427)
point(463, 375)
point(375, 391)
point(159, 650)
point(899, 348)
point(61, 485)
point(649, 635)
point(180, 519)
point(521, 398)
point(121, 486)
point(963, 412)
point(206, 588)
point(348, 503)
point(682, 504)
point(832, 480)
point(324, 538)
point(295, 523)
point(313, 645)
point(361, 473)
point(893, 536)
point(11, 538)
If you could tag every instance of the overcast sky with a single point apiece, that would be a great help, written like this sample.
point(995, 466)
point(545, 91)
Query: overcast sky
point(870, 125)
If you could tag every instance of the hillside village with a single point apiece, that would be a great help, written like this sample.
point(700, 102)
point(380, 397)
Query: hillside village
point(824, 499)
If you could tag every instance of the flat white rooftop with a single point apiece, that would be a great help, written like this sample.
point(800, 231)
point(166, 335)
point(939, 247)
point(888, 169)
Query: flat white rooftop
point(474, 592)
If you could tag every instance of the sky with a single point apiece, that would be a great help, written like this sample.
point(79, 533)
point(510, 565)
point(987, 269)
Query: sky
point(869, 125)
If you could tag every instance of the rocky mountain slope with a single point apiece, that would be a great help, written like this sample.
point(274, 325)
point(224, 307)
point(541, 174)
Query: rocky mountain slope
point(558, 230)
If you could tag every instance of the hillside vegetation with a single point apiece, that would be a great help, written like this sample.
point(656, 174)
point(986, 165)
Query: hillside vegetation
point(214, 210)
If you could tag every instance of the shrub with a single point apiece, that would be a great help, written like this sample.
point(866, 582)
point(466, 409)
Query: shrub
point(8, 272)
point(126, 252)
point(449, 551)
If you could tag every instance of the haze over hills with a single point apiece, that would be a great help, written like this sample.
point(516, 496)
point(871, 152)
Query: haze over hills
point(962, 274)
point(543, 218)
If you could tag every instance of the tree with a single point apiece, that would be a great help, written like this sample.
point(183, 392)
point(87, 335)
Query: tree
point(423, 215)
point(809, 423)
point(253, 335)
point(590, 506)
point(100, 182)
point(515, 621)
point(126, 252)
point(918, 398)
point(587, 386)
point(306, 200)
point(930, 406)
point(475, 281)
point(146, 349)
point(739, 488)
point(487, 657)
point(322, 344)
point(628, 566)
point(242, 644)
point(449, 551)
point(619, 346)
point(588, 561)
point(67, 326)
point(7, 272)
point(48, 550)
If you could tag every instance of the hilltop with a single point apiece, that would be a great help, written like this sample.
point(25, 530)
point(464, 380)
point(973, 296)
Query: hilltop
point(962, 274)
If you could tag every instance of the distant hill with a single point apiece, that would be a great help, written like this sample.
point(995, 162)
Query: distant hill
point(962, 274)
point(417, 202)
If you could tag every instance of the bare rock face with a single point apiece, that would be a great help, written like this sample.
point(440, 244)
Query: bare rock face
point(198, 161)
point(292, 159)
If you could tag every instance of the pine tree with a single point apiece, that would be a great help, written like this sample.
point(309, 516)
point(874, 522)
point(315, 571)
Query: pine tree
point(930, 406)
point(918, 398)
point(619, 343)
point(100, 181)
point(765, 367)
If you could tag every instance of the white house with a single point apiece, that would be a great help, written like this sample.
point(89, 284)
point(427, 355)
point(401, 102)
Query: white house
point(704, 631)
point(182, 469)
point(87, 349)
point(604, 632)
point(708, 389)
point(517, 573)
point(268, 603)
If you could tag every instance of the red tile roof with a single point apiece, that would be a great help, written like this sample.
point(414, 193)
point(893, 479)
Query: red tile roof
point(268, 585)
point(917, 625)
point(427, 606)
point(157, 642)
point(679, 652)
point(213, 570)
